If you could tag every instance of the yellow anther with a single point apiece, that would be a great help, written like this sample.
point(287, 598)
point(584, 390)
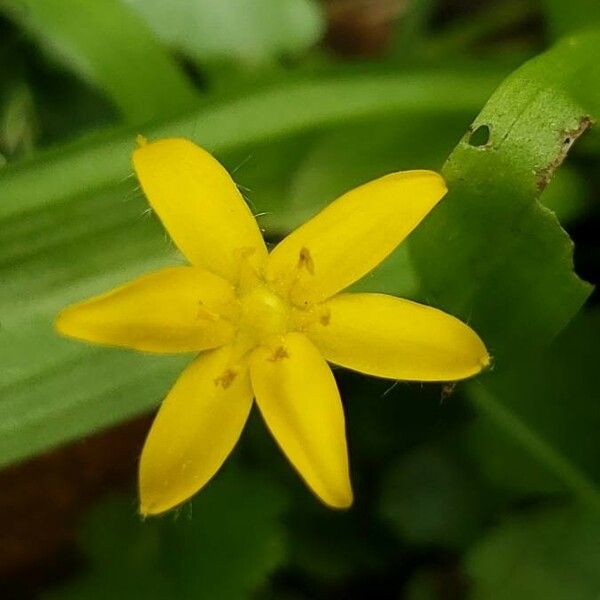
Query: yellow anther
point(305, 261)
point(279, 354)
point(244, 252)
point(303, 318)
point(226, 379)
point(325, 316)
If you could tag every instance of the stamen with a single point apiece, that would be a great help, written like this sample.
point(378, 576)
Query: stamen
point(248, 273)
point(244, 252)
point(305, 261)
point(205, 314)
point(279, 354)
point(226, 379)
point(325, 316)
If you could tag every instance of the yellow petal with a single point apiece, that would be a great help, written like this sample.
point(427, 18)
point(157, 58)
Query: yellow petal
point(299, 400)
point(199, 205)
point(178, 309)
point(352, 235)
point(196, 428)
point(389, 337)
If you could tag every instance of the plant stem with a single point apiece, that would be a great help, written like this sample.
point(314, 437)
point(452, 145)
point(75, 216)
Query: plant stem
point(575, 479)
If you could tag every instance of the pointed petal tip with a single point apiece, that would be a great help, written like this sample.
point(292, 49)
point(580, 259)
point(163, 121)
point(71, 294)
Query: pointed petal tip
point(165, 147)
point(58, 323)
point(69, 323)
point(337, 495)
point(433, 178)
point(433, 183)
point(153, 503)
point(481, 358)
point(433, 174)
point(65, 322)
point(155, 508)
point(343, 501)
point(150, 511)
point(437, 181)
point(148, 149)
point(485, 361)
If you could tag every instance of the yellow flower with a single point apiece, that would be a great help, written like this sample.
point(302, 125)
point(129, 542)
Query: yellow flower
point(266, 323)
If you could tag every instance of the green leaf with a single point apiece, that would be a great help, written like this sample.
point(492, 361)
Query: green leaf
point(248, 31)
point(105, 160)
point(17, 122)
point(490, 253)
point(554, 554)
point(72, 225)
point(113, 49)
point(223, 545)
point(567, 195)
point(430, 500)
point(565, 17)
point(554, 395)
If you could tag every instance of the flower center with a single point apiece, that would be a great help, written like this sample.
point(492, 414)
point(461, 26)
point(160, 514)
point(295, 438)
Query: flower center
point(264, 314)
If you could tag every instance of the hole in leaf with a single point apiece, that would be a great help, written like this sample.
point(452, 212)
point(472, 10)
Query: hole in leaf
point(480, 137)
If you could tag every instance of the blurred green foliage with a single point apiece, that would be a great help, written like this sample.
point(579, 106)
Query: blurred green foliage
point(239, 32)
point(551, 554)
point(225, 550)
point(487, 491)
point(124, 60)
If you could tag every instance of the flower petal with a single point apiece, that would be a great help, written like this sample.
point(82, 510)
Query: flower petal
point(177, 309)
point(352, 235)
point(299, 400)
point(390, 337)
point(199, 204)
point(196, 428)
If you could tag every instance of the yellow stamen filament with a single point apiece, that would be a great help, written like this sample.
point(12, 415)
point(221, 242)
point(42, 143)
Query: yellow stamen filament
point(206, 314)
